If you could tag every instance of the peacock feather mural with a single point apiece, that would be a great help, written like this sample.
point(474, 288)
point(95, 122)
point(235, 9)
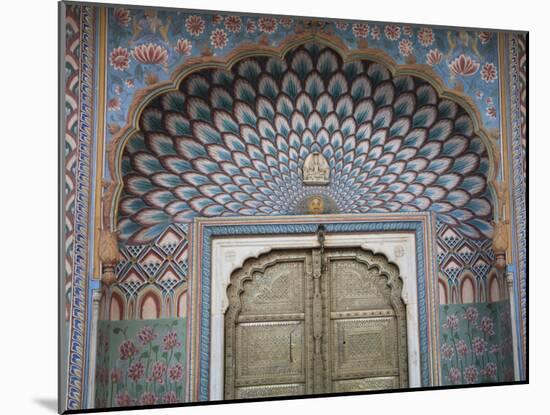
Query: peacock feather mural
point(234, 142)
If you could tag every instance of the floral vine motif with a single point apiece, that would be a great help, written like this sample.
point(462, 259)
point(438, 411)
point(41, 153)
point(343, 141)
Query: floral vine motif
point(146, 375)
point(473, 343)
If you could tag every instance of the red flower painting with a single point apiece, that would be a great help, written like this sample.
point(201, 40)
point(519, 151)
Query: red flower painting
point(119, 58)
point(463, 65)
point(150, 53)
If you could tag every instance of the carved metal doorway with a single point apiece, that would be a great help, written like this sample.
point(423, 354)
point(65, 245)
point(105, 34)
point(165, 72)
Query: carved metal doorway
point(315, 321)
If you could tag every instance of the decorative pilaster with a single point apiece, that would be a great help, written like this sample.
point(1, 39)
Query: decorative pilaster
point(513, 321)
point(96, 298)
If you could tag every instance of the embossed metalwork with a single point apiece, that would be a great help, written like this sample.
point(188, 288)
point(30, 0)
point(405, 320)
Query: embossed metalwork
point(315, 321)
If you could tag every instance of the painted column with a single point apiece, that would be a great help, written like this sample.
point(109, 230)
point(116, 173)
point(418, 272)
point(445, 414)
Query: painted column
point(96, 298)
point(513, 321)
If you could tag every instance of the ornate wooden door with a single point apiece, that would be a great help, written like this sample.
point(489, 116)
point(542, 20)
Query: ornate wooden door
point(313, 321)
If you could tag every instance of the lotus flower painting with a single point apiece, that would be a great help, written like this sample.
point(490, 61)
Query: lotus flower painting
point(272, 206)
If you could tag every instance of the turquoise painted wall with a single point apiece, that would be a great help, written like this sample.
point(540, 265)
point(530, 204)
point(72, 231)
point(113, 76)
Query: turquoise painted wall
point(140, 362)
point(476, 343)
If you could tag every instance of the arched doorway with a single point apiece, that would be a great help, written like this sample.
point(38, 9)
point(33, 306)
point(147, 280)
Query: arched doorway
point(306, 321)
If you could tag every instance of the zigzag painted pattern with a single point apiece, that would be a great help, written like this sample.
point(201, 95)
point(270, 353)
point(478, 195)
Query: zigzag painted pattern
point(72, 56)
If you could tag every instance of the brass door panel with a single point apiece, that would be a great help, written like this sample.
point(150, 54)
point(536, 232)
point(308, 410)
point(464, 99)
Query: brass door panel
point(266, 327)
point(314, 321)
point(367, 345)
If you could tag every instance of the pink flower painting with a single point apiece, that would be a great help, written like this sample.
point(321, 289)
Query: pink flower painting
point(150, 53)
point(184, 46)
point(426, 36)
point(195, 25)
point(267, 24)
point(218, 39)
point(464, 66)
point(122, 16)
point(127, 350)
point(119, 58)
point(489, 72)
point(392, 32)
point(233, 23)
point(360, 30)
point(433, 57)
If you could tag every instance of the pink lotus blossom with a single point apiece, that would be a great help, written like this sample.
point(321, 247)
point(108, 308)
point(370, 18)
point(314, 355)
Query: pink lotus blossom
point(102, 375)
point(218, 38)
point(148, 398)
point(479, 94)
point(175, 372)
point(171, 340)
point(486, 326)
point(217, 19)
point(433, 57)
point(375, 33)
point(119, 58)
point(113, 104)
point(251, 26)
point(360, 30)
point(461, 348)
point(471, 374)
point(150, 53)
point(489, 101)
point(184, 46)
point(489, 72)
point(127, 349)
point(490, 370)
point(170, 397)
point(452, 322)
point(485, 37)
point(405, 47)
point(136, 371)
point(233, 23)
point(392, 32)
point(426, 36)
point(124, 399)
point(118, 90)
point(122, 16)
point(130, 83)
point(267, 24)
point(342, 25)
point(491, 112)
point(479, 346)
point(494, 349)
point(116, 375)
point(463, 65)
point(454, 375)
point(157, 372)
point(407, 31)
point(285, 21)
point(447, 351)
point(471, 314)
point(195, 25)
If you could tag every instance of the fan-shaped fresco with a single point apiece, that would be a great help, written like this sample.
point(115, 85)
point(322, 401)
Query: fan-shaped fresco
point(234, 143)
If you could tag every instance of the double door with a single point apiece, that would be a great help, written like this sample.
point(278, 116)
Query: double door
point(311, 322)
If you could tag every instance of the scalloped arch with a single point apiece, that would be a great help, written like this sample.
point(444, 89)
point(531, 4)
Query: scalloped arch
point(420, 73)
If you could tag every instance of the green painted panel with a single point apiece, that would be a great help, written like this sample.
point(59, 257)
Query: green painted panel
point(140, 362)
point(476, 343)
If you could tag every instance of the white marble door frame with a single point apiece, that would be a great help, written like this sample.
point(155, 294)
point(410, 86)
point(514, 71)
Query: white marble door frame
point(228, 254)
